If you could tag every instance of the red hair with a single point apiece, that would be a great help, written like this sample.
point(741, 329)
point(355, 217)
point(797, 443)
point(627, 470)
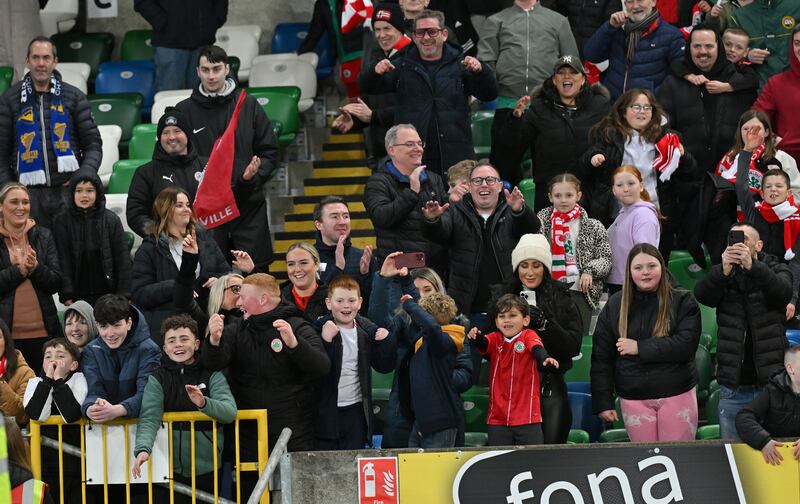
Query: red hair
point(636, 173)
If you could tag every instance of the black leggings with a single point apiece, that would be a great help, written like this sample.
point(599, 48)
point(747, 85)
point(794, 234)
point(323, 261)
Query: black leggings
point(556, 413)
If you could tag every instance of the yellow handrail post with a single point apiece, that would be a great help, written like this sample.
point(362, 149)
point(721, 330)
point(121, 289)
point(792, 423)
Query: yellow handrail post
point(36, 450)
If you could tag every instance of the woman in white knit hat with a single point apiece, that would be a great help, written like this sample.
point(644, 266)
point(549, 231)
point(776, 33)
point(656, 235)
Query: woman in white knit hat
point(555, 319)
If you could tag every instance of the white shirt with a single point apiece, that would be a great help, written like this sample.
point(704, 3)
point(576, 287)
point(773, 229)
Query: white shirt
point(641, 154)
point(349, 386)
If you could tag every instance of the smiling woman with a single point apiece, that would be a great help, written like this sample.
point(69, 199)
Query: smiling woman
point(304, 289)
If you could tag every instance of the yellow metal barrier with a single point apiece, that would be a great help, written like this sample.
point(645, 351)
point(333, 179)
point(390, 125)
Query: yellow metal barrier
point(259, 416)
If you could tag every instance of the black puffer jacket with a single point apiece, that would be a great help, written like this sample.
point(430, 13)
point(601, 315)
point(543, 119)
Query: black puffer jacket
point(84, 137)
point(181, 25)
point(664, 366)
point(774, 413)
point(154, 274)
point(395, 212)
point(150, 179)
point(559, 135)
point(707, 122)
point(70, 231)
point(753, 301)
point(316, 305)
point(461, 231)
point(586, 16)
point(440, 103)
point(46, 279)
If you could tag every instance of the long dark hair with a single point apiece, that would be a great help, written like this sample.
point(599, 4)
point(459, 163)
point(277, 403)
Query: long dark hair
point(614, 124)
point(10, 353)
point(769, 141)
point(664, 292)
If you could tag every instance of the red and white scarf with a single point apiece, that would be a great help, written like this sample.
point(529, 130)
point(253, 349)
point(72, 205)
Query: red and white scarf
point(355, 13)
point(728, 166)
point(789, 213)
point(563, 262)
point(668, 156)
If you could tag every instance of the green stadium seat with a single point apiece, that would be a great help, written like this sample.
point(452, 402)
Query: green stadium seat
point(620, 423)
point(708, 432)
point(380, 406)
point(122, 109)
point(686, 272)
point(708, 319)
point(702, 362)
point(578, 436)
point(280, 104)
point(714, 385)
point(120, 180)
point(528, 189)
point(235, 63)
point(6, 76)
point(143, 141)
point(136, 45)
point(614, 436)
point(483, 377)
point(476, 405)
point(482, 132)
point(129, 238)
point(581, 364)
point(475, 439)
point(712, 407)
point(61, 314)
point(92, 48)
point(705, 341)
point(381, 380)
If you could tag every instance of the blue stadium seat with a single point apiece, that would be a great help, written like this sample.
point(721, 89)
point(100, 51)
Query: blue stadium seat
point(793, 335)
point(128, 77)
point(288, 37)
point(582, 416)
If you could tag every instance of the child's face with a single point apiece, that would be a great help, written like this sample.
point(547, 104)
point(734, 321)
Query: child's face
point(344, 305)
point(85, 195)
point(564, 196)
point(457, 181)
point(774, 190)
point(735, 46)
point(76, 329)
point(511, 322)
point(180, 345)
point(114, 334)
point(59, 354)
point(627, 188)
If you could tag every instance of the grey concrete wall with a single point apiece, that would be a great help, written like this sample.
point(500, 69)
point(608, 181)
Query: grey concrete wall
point(265, 13)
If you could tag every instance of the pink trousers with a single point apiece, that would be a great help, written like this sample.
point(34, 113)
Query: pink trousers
point(666, 419)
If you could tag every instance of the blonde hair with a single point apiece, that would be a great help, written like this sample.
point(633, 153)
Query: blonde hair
point(460, 170)
point(311, 249)
point(265, 282)
point(217, 292)
point(664, 293)
point(441, 306)
point(10, 186)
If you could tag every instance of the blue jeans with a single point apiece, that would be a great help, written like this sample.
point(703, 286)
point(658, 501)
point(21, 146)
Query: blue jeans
point(731, 400)
point(445, 438)
point(175, 68)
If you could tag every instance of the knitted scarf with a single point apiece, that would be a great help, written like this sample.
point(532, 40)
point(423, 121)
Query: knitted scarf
point(31, 137)
point(668, 156)
point(789, 213)
point(634, 32)
point(563, 262)
point(728, 165)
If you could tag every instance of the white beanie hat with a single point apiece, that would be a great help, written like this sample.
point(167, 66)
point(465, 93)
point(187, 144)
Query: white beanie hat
point(532, 246)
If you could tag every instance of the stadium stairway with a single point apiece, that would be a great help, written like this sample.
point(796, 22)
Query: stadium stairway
point(341, 171)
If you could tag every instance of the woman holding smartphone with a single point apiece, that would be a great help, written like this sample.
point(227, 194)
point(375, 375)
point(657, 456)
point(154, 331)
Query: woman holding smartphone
point(555, 319)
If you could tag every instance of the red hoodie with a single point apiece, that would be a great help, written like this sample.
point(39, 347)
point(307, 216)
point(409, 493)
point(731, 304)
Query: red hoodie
point(780, 100)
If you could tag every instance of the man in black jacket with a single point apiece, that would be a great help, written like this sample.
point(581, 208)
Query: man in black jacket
point(47, 132)
point(480, 231)
point(273, 356)
point(208, 112)
point(180, 29)
point(396, 192)
point(750, 291)
point(433, 82)
point(175, 163)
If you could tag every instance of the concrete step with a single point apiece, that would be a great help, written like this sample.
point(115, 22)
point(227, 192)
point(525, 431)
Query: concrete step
point(305, 222)
point(305, 204)
point(334, 185)
point(283, 240)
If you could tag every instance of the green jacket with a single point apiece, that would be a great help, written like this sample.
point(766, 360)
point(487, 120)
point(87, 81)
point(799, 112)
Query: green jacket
point(769, 24)
point(220, 405)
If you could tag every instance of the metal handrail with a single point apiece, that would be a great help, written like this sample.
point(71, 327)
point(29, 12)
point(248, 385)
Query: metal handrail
point(272, 463)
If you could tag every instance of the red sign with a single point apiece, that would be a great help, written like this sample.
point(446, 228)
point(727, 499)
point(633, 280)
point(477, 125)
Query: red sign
point(377, 480)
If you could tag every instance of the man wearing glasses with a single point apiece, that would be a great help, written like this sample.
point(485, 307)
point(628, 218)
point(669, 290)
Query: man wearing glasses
point(433, 82)
point(480, 231)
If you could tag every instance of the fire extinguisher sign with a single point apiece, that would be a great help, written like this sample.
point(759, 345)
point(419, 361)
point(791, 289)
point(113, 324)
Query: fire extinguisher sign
point(377, 480)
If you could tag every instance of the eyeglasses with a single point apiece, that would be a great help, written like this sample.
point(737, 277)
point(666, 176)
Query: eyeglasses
point(641, 108)
point(411, 145)
point(431, 32)
point(490, 181)
point(234, 288)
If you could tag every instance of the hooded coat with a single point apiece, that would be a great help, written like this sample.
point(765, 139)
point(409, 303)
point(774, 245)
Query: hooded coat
point(86, 235)
point(150, 179)
point(86, 311)
point(774, 413)
point(780, 99)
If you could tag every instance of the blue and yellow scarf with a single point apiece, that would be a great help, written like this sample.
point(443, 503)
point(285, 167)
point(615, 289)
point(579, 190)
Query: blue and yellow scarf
point(30, 163)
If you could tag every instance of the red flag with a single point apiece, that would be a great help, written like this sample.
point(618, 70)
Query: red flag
point(214, 203)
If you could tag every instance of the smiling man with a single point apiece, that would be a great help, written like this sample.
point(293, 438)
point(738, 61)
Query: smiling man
point(433, 81)
point(480, 231)
point(638, 45)
point(47, 132)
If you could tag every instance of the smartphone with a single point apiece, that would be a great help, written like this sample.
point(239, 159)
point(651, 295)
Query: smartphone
point(735, 236)
point(410, 260)
point(529, 296)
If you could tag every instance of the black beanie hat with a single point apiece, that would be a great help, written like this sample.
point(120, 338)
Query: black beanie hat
point(392, 14)
point(173, 117)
